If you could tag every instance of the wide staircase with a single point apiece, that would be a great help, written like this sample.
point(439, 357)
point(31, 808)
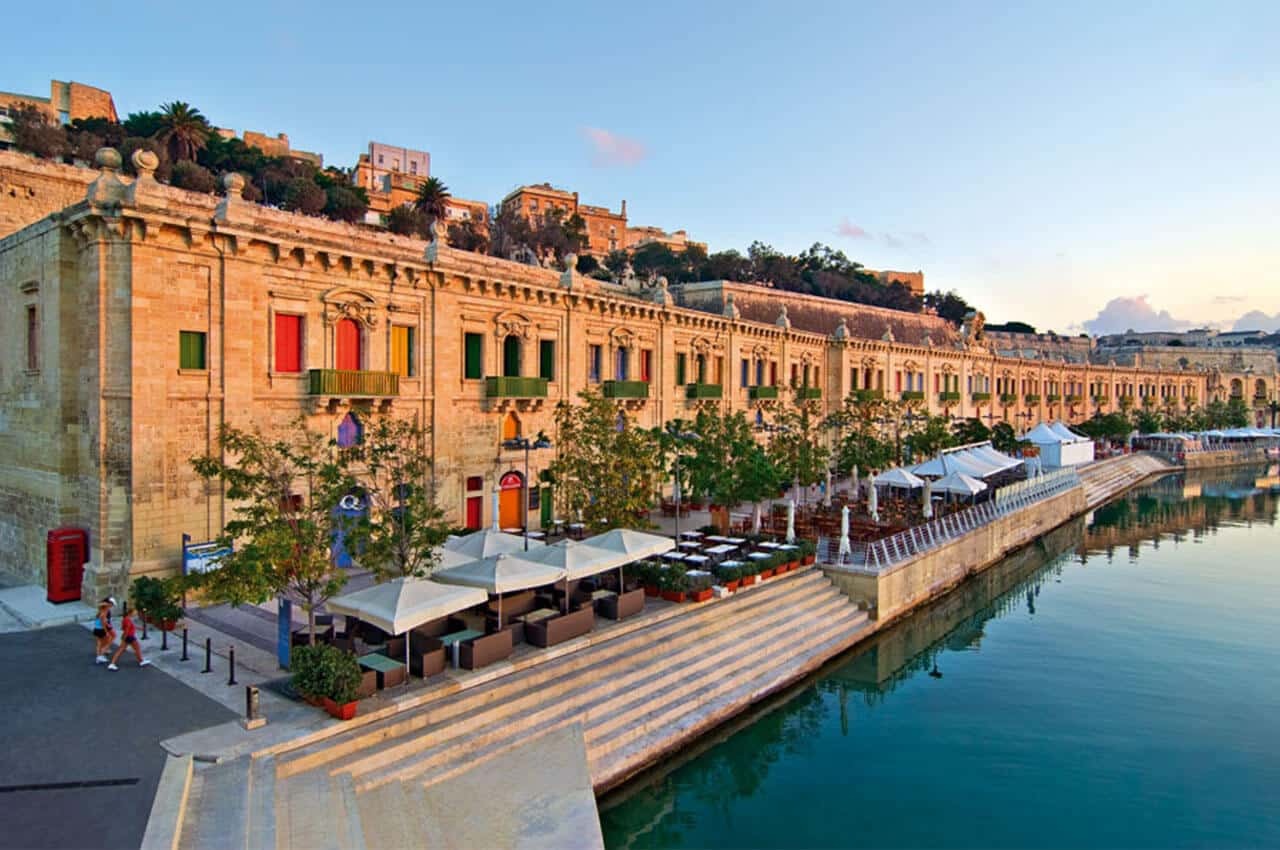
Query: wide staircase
point(369, 784)
point(1105, 478)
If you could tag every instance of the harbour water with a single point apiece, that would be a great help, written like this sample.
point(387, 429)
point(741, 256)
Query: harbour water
point(1115, 685)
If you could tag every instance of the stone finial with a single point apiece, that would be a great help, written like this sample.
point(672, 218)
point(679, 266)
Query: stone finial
point(730, 309)
point(433, 242)
point(841, 331)
point(888, 335)
point(662, 293)
point(145, 163)
point(784, 321)
point(233, 204)
point(108, 189)
point(233, 184)
point(927, 342)
point(570, 274)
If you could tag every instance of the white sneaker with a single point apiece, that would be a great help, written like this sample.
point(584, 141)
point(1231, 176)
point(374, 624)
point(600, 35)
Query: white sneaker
point(101, 659)
point(112, 667)
point(145, 663)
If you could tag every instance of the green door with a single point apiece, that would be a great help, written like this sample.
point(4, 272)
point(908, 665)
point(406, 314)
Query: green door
point(547, 516)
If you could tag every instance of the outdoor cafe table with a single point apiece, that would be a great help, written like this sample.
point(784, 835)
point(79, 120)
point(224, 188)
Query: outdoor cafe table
point(601, 594)
point(691, 535)
point(691, 545)
point(454, 638)
point(541, 614)
point(735, 541)
point(698, 574)
point(770, 545)
point(381, 664)
point(728, 565)
point(537, 535)
point(695, 559)
point(759, 556)
point(715, 538)
point(721, 550)
point(673, 556)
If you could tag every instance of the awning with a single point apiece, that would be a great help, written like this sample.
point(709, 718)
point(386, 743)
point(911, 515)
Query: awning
point(1042, 435)
point(635, 544)
point(578, 560)
point(1000, 459)
point(501, 573)
point(401, 604)
point(487, 543)
point(898, 477)
point(960, 484)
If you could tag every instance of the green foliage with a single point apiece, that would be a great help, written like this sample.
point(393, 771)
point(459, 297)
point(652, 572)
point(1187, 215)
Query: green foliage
point(406, 221)
point(284, 492)
point(404, 527)
point(795, 449)
point(344, 203)
point(1110, 426)
point(860, 442)
point(727, 466)
point(470, 235)
point(145, 124)
point(949, 305)
point(432, 200)
point(304, 196)
point(183, 130)
point(192, 177)
point(971, 430)
point(34, 133)
point(931, 436)
point(1012, 327)
point(673, 579)
point(159, 599)
point(1004, 438)
point(322, 670)
point(602, 472)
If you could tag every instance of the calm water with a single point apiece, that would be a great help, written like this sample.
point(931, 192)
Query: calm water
point(1117, 686)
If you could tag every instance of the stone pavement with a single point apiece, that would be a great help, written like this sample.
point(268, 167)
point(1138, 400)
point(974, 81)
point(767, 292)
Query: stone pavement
point(28, 606)
point(82, 753)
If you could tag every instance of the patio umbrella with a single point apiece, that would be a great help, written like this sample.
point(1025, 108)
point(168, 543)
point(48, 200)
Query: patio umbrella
point(634, 545)
point(826, 494)
point(957, 483)
point(845, 548)
point(578, 560)
point(899, 477)
point(855, 479)
point(873, 501)
point(928, 500)
point(791, 520)
point(501, 573)
point(755, 520)
point(486, 543)
point(496, 510)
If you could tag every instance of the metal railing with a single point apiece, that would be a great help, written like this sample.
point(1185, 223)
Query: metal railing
point(879, 555)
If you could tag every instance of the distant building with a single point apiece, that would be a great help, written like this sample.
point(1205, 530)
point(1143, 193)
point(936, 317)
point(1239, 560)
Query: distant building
point(277, 145)
point(606, 229)
point(677, 240)
point(66, 102)
point(391, 176)
point(913, 280)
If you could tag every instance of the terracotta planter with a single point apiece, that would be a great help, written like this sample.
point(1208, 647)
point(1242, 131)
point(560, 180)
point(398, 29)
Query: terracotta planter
point(700, 595)
point(791, 565)
point(809, 559)
point(346, 711)
point(316, 701)
point(650, 590)
point(747, 581)
point(731, 586)
point(764, 574)
point(673, 595)
point(162, 625)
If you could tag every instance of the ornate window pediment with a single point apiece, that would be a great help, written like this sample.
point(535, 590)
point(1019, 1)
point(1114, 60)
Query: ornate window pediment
point(622, 337)
point(346, 303)
point(510, 323)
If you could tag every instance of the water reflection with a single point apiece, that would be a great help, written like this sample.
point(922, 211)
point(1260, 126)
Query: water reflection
point(724, 791)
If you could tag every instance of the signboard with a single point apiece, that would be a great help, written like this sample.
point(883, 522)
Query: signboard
point(202, 557)
point(511, 481)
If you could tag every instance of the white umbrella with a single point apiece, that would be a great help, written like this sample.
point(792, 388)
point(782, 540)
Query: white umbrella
point(496, 509)
point(846, 549)
point(855, 479)
point(873, 501)
point(960, 484)
point(928, 500)
point(489, 542)
point(826, 494)
point(899, 477)
point(578, 560)
point(791, 520)
point(636, 544)
point(755, 520)
point(502, 573)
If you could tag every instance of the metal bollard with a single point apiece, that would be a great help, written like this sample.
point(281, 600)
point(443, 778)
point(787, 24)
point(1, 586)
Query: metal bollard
point(164, 640)
point(250, 703)
point(144, 628)
point(208, 656)
point(185, 656)
point(231, 654)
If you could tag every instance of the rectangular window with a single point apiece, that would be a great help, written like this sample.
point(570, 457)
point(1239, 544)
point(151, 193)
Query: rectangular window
point(473, 345)
point(547, 359)
point(474, 482)
point(646, 365)
point(681, 364)
point(33, 339)
point(190, 350)
point(795, 375)
point(402, 350)
point(595, 356)
point(759, 372)
point(773, 373)
point(746, 373)
point(288, 340)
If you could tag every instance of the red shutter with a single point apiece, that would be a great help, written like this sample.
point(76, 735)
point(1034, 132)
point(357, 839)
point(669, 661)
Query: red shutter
point(348, 345)
point(288, 343)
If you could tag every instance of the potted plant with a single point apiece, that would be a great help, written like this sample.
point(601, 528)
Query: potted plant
point(308, 674)
point(159, 600)
point(748, 573)
point(700, 589)
point(730, 577)
point(808, 552)
point(325, 675)
point(340, 702)
point(675, 584)
point(648, 574)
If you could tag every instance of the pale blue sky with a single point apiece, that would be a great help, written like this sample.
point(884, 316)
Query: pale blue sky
point(1042, 159)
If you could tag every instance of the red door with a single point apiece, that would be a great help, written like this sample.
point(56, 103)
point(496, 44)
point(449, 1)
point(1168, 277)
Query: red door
point(348, 345)
point(474, 506)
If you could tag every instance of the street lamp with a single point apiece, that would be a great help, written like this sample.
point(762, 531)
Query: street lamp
point(681, 437)
point(518, 443)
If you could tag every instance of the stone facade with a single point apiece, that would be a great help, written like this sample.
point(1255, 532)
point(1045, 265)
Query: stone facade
point(31, 189)
point(66, 102)
point(100, 432)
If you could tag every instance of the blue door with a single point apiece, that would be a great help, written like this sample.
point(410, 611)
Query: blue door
point(350, 510)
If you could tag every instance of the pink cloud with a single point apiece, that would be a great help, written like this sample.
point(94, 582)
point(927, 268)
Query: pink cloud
point(851, 230)
point(612, 149)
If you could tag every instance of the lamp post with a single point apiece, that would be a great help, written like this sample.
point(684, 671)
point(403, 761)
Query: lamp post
point(681, 438)
point(518, 443)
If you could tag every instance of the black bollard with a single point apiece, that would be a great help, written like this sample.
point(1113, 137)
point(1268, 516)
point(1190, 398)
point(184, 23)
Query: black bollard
point(185, 657)
point(144, 628)
point(164, 640)
point(208, 656)
point(231, 655)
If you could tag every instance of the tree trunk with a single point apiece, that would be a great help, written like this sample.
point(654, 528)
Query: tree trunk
point(311, 623)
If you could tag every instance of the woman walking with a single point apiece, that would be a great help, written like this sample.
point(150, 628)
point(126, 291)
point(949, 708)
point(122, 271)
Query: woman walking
point(103, 632)
point(129, 638)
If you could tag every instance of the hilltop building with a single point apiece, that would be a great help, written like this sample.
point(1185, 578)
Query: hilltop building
point(277, 145)
point(66, 102)
point(391, 176)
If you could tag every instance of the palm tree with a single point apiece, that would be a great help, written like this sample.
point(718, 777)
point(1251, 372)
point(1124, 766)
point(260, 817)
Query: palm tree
point(183, 130)
point(432, 200)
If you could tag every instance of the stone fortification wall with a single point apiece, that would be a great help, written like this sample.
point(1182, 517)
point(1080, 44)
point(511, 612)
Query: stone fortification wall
point(31, 189)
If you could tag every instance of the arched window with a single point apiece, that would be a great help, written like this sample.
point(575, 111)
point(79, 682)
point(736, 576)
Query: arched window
point(347, 356)
point(511, 356)
point(701, 363)
point(350, 431)
point(1260, 389)
point(620, 364)
point(510, 427)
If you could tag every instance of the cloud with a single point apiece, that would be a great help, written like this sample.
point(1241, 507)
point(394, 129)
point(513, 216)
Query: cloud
point(1229, 299)
point(919, 236)
point(612, 149)
point(851, 230)
point(1133, 312)
point(1256, 320)
point(891, 240)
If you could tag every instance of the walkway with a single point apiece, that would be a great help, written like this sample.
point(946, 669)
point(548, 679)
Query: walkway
point(1105, 479)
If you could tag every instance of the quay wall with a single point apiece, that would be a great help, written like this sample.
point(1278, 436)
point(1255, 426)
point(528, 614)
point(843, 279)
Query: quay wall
point(899, 589)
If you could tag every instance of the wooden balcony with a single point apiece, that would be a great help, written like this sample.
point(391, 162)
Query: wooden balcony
point(706, 392)
point(514, 387)
point(762, 393)
point(626, 389)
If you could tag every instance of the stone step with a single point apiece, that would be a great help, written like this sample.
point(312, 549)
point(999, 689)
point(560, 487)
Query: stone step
point(673, 683)
point(386, 819)
point(317, 812)
point(262, 803)
point(441, 741)
point(634, 647)
point(610, 765)
point(219, 807)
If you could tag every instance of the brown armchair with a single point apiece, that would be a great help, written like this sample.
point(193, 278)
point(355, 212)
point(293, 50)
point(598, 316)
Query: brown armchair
point(426, 655)
point(554, 630)
point(368, 684)
point(483, 651)
point(623, 605)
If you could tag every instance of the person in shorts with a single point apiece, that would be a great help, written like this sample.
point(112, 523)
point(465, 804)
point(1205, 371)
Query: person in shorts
point(128, 638)
point(103, 632)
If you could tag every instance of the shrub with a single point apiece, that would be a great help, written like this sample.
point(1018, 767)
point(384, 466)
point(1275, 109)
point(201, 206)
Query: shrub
point(35, 134)
point(301, 194)
point(192, 177)
point(159, 599)
point(673, 579)
point(325, 671)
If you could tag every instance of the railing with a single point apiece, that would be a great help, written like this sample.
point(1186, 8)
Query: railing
point(514, 386)
point(351, 383)
point(1008, 398)
point(626, 389)
point(808, 393)
point(711, 391)
point(1073, 399)
point(1053, 398)
point(762, 392)
point(980, 397)
point(944, 398)
point(1032, 398)
point(878, 556)
point(1100, 400)
point(867, 395)
point(913, 395)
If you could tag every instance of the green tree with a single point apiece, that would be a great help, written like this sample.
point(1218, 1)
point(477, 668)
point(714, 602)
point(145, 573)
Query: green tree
point(932, 436)
point(727, 466)
point(861, 443)
point(971, 430)
point(303, 195)
point(404, 527)
point(795, 447)
point(182, 130)
point(192, 177)
point(405, 221)
point(432, 200)
point(606, 470)
point(283, 493)
point(616, 261)
point(34, 133)
point(1004, 438)
point(344, 203)
point(469, 235)
point(949, 305)
point(145, 124)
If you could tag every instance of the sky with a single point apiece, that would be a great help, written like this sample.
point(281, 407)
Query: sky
point(1081, 167)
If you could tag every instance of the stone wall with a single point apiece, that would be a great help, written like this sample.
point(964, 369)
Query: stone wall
point(31, 189)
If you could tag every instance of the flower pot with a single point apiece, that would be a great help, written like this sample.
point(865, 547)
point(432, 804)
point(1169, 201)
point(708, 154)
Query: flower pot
point(809, 559)
point(791, 565)
point(346, 711)
point(764, 574)
point(650, 590)
point(747, 581)
point(673, 595)
point(700, 595)
point(731, 586)
point(316, 701)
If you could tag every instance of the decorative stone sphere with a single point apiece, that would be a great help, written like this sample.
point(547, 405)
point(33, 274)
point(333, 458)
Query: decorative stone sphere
point(108, 158)
point(145, 161)
point(233, 183)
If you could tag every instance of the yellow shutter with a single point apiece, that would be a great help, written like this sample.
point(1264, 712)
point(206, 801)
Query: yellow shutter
point(401, 349)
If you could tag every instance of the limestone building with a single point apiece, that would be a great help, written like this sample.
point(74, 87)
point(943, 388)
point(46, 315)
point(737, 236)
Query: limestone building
point(138, 319)
point(66, 102)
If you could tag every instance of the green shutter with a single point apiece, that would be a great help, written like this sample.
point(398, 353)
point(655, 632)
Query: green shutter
point(474, 365)
point(547, 359)
point(191, 350)
point(679, 369)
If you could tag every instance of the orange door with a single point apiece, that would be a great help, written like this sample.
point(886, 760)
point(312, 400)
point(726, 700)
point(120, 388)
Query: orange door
point(509, 515)
point(348, 354)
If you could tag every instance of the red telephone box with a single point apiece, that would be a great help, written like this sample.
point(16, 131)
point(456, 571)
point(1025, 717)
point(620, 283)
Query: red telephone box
point(66, 553)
